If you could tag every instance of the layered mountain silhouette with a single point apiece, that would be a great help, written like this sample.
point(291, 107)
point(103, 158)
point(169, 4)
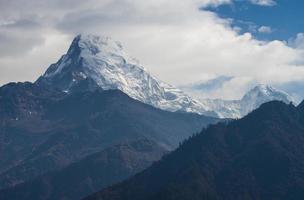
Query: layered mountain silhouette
point(259, 157)
point(97, 117)
point(44, 129)
point(89, 174)
point(94, 98)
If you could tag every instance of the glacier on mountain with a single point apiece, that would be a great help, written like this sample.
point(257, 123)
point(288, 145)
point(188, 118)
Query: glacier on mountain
point(103, 63)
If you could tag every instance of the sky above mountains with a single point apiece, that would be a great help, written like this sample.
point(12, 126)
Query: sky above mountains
point(180, 42)
point(265, 19)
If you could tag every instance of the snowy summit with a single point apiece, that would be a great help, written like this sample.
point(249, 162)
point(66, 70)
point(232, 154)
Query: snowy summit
point(250, 101)
point(96, 61)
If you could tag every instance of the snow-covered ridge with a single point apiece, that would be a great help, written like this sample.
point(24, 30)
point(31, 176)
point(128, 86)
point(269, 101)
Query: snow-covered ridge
point(102, 62)
point(250, 101)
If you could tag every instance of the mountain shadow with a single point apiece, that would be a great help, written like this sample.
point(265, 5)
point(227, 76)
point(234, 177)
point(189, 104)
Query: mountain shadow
point(259, 157)
point(91, 173)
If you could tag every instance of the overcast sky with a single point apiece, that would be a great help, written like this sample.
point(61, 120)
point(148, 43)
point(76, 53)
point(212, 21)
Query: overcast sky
point(179, 41)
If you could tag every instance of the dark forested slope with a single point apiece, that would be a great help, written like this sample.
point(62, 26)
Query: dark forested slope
point(258, 157)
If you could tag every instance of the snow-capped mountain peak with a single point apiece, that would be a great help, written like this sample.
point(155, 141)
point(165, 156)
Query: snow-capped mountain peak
point(92, 50)
point(250, 101)
point(266, 91)
point(261, 94)
point(95, 61)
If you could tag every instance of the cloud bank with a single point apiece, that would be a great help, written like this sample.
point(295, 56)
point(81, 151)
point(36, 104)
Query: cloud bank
point(174, 39)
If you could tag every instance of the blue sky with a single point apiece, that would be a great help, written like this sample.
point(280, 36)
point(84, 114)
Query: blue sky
point(285, 18)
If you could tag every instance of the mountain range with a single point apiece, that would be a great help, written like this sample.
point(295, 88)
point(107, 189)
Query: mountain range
point(97, 117)
point(62, 119)
point(44, 129)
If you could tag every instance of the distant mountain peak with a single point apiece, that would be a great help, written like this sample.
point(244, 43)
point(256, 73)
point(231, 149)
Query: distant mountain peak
point(250, 101)
point(261, 94)
point(265, 90)
point(100, 62)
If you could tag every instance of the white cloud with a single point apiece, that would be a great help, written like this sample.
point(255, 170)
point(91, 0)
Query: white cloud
point(297, 42)
point(214, 3)
point(265, 29)
point(264, 2)
point(173, 39)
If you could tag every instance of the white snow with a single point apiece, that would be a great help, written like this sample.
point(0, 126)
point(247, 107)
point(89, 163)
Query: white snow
point(250, 101)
